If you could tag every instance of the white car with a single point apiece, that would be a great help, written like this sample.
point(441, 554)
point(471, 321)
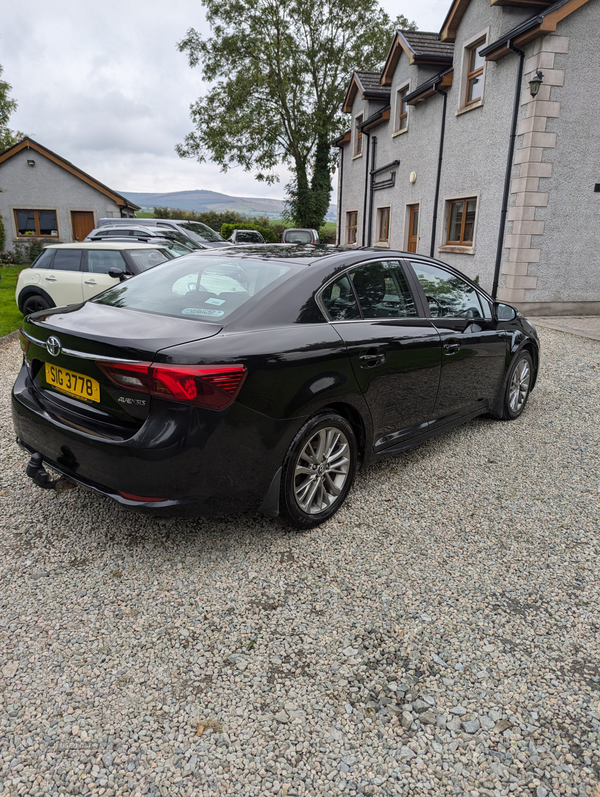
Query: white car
point(71, 273)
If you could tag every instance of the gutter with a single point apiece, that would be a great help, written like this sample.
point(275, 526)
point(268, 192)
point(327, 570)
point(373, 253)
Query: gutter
point(509, 164)
point(371, 189)
point(366, 192)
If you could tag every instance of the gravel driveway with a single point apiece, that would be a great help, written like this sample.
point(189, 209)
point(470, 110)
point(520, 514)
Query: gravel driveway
point(441, 635)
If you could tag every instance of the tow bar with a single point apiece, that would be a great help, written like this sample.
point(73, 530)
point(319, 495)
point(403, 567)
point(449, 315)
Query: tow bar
point(36, 471)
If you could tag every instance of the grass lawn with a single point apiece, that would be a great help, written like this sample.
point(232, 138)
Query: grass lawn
point(10, 315)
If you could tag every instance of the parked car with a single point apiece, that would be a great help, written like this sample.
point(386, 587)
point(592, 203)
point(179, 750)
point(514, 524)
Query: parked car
point(142, 233)
point(230, 381)
point(71, 273)
point(127, 236)
point(246, 237)
point(195, 230)
point(300, 235)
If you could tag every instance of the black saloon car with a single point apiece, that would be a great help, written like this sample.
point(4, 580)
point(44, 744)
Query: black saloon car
point(261, 379)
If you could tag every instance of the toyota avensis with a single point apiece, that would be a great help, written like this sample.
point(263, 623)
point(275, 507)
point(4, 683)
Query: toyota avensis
point(262, 378)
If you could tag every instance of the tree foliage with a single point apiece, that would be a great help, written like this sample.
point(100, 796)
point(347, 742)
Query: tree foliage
point(278, 71)
point(7, 106)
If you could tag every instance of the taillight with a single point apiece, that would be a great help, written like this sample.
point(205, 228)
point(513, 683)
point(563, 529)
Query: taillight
point(25, 343)
point(212, 386)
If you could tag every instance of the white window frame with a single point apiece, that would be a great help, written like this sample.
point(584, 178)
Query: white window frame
point(397, 130)
point(467, 46)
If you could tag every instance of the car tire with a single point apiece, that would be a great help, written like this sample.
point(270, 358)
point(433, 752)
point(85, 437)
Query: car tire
point(518, 386)
point(35, 302)
point(326, 444)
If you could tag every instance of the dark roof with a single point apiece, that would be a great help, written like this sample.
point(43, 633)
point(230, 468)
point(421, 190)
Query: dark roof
point(428, 45)
point(343, 139)
point(522, 28)
point(370, 83)
point(383, 114)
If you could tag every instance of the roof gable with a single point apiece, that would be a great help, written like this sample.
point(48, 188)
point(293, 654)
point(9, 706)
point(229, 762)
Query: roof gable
point(421, 47)
point(29, 143)
point(369, 85)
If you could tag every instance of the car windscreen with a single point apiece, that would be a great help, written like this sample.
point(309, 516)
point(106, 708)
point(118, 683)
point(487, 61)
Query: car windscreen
point(201, 230)
point(147, 258)
point(201, 288)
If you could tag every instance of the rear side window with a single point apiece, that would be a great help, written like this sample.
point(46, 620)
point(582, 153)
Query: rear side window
point(200, 288)
point(383, 291)
point(67, 259)
point(44, 260)
point(100, 262)
point(147, 258)
point(339, 301)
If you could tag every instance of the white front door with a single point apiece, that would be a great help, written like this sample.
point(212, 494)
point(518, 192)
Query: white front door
point(63, 280)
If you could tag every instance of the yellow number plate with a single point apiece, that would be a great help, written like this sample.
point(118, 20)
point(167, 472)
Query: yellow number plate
point(73, 384)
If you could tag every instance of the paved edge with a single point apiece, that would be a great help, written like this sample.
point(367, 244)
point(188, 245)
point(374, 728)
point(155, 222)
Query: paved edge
point(560, 326)
point(10, 337)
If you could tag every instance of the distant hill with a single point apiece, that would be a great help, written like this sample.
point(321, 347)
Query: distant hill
point(202, 201)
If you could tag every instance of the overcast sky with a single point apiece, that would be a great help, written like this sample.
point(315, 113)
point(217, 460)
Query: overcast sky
point(106, 88)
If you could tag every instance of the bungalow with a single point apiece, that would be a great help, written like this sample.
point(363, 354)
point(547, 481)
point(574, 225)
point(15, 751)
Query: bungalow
point(46, 199)
point(479, 145)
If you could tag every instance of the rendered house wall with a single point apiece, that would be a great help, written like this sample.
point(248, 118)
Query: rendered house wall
point(46, 186)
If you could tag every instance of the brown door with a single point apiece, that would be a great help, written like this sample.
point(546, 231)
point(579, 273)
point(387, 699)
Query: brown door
point(82, 222)
point(413, 228)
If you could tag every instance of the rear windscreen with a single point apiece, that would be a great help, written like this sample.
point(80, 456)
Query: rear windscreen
point(204, 288)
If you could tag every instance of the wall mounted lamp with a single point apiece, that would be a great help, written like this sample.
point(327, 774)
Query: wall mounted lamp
point(31, 163)
point(536, 82)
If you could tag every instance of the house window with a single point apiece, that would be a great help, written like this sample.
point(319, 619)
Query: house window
point(358, 135)
point(401, 110)
point(37, 223)
point(474, 83)
point(461, 222)
point(383, 225)
point(352, 219)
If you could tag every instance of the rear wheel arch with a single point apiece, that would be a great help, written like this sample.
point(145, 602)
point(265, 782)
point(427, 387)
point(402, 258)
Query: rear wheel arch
point(32, 290)
point(354, 418)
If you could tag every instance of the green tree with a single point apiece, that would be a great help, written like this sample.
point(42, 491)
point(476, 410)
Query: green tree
point(7, 106)
point(279, 70)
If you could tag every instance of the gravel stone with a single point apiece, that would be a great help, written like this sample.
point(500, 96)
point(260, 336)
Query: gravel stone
point(219, 656)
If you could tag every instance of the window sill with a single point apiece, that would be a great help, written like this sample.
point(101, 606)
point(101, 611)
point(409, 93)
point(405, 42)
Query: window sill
point(21, 239)
point(359, 155)
point(468, 108)
point(382, 244)
point(457, 250)
point(400, 132)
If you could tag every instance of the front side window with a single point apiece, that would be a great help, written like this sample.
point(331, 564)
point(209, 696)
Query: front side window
point(448, 296)
point(352, 219)
point(475, 63)
point(358, 135)
point(383, 291)
point(461, 222)
point(383, 225)
point(101, 261)
point(401, 110)
point(36, 223)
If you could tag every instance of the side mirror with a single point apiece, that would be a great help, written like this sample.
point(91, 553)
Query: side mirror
point(117, 273)
point(504, 312)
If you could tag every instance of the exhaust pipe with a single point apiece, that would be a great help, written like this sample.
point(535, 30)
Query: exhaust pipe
point(37, 472)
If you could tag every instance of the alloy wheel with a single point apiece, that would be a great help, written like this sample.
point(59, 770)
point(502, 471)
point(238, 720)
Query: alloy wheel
point(519, 386)
point(321, 470)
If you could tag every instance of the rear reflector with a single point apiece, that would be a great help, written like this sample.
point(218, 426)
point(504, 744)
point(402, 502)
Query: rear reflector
point(131, 497)
point(212, 386)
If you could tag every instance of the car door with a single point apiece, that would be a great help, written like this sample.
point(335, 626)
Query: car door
point(473, 348)
point(394, 350)
point(99, 262)
point(63, 280)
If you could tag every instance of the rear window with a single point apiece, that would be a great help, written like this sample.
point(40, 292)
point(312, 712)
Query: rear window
point(205, 289)
point(147, 258)
point(44, 260)
point(201, 230)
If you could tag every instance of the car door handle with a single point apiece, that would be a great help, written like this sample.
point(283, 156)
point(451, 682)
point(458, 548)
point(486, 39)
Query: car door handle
point(369, 358)
point(50, 279)
point(451, 346)
point(90, 282)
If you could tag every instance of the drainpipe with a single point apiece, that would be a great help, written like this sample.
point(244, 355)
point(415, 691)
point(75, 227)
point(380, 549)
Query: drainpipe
point(340, 195)
point(509, 165)
point(368, 135)
point(444, 94)
point(371, 189)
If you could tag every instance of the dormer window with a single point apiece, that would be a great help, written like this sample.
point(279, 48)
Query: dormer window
point(358, 137)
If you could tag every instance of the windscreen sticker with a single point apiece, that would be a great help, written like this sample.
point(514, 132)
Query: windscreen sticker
point(212, 300)
point(202, 311)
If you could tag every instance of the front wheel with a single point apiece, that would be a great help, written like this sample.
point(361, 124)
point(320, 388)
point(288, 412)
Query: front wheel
point(318, 471)
point(518, 386)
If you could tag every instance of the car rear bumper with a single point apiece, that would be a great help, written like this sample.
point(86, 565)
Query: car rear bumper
point(199, 462)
